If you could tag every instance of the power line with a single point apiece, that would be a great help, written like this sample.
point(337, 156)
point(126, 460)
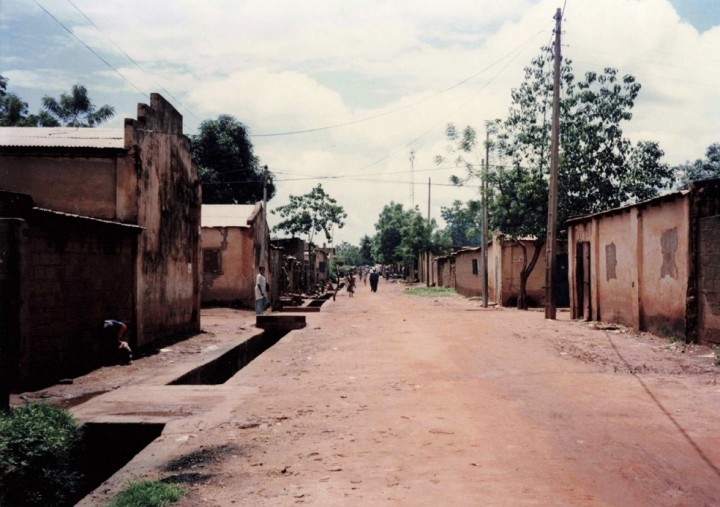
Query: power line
point(144, 94)
point(131, 58)
point(400, 108)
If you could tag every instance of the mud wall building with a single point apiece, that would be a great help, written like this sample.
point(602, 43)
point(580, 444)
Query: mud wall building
point(139, 175)
point(61, 276)
point(235, 243)
point(653, 266)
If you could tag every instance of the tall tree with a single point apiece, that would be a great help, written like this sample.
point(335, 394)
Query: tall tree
point(403, 234)
point(464, 222)
point(598, 167)
point(311, 213)
point(700, 169)
point(388, 237)
point(75, 109)
point(14, 111)
point(229, 171)
point(366, 250)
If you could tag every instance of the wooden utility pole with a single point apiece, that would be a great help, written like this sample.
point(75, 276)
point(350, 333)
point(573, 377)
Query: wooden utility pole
point(550, 246)
point(427, 253)
point(486, 171)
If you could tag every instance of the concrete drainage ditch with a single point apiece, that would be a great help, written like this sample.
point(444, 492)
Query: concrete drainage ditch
point(219, 370)
point(108, 446)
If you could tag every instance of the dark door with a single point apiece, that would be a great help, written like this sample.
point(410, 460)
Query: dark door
point(709, 280)
point(562, 286)
point(582, 308)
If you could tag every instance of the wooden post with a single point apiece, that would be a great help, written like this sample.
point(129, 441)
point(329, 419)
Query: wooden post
point(551, 242)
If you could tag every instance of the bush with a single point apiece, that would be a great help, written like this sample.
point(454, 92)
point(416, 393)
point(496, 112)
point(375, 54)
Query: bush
point(38, 448)
point(148, 494)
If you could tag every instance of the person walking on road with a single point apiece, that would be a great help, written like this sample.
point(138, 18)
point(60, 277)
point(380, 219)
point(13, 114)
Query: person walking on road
point(260, 292)
point(374, 278)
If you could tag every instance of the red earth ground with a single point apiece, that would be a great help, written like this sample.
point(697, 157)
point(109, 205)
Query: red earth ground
point(393, 399)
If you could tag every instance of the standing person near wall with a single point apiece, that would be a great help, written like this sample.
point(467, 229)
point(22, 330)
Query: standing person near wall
point(260, 292)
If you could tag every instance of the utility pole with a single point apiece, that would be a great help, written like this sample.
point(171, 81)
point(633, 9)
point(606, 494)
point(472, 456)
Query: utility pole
point(427, 253)
point(550, 246)
point(412, 171)
point(486, 171)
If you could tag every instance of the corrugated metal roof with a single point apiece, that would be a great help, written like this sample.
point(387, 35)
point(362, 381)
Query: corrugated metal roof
point(669, 196)
point(113, 223)
point(226, 215)
point(62, 137)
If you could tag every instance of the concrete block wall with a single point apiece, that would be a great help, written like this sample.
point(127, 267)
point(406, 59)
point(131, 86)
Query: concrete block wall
point(73, 278)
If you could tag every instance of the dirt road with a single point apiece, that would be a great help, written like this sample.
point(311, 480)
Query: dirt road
point(391, 399)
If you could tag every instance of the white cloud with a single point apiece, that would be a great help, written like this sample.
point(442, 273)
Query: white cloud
point(282, 66)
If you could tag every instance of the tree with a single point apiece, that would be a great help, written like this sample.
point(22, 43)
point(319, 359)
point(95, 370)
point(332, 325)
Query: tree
point(388, 235)
point(348, 254)
point(311, 213)
point(14, 111)
point(464, 223)
point(402, 235)
point(700, 169)
point(598, 168)
point(75, 109)
point(229, 172)
point(366, 250)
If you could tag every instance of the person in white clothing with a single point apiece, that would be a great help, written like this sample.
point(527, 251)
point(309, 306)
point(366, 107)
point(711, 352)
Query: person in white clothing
point(260, 292)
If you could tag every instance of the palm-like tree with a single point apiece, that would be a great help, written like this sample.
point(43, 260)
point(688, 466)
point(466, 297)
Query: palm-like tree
point(75, 109)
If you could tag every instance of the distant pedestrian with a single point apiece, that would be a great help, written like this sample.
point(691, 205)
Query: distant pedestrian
point(260, 292)
point(351, 284)
point(374, 278)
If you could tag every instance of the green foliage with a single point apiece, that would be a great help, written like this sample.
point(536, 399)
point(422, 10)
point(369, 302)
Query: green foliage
point(74, 109)
point(309, 214)
point(366, 250)
point(431, 291)
point(229, 172)
point(348, 254)
point(598, 168)
point(148, 494)
point(403, 234)
point(464, 223)
point(38, 447)
point(14, 111)
point(708, 168)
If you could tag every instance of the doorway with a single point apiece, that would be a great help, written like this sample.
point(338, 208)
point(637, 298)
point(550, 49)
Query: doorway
point(583, 307)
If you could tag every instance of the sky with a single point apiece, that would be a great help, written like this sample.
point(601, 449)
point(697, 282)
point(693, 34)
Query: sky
point(356, 96)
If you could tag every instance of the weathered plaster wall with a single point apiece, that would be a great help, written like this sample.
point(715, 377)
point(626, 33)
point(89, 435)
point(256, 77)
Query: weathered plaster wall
point(639, 265)
point(663, 266)
point(511, 263)
point(63, 182)
point(169, 210)
point(234, 283)
point(615, 267)
point(469, 284)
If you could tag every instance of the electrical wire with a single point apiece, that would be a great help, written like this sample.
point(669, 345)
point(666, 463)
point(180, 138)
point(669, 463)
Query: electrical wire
point(132, 59)
point(400, 108)
point(126, 79)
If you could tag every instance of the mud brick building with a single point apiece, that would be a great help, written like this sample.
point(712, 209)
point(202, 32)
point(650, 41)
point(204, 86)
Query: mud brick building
point(654, 266)
point(235, 243)
point(135, 184)
point(462, 270)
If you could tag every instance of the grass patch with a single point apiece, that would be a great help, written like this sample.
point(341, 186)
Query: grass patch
point(432, 292)
point(148, 494)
